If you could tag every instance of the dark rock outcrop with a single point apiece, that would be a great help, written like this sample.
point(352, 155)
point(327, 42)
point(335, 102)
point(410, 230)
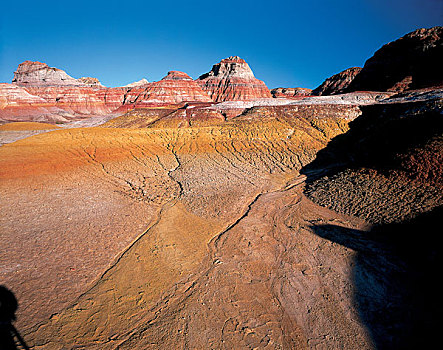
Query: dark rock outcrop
point(411, 62)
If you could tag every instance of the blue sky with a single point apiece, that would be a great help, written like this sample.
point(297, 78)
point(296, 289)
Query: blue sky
point(286, 43)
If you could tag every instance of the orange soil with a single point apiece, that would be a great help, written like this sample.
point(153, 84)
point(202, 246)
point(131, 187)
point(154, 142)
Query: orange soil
point(25, 126)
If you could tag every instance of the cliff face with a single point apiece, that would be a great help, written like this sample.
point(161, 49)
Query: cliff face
point(411, 62)
point(338, 83)
point(232, 80)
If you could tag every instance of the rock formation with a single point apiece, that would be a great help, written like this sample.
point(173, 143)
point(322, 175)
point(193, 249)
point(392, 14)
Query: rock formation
point(338, 83)
point(184, 223)
point(74, 98)
point(138, 83)
point(17, 104)
point(36, 73)
point(411, 62)
point(175, 87)
point(90, 81)
point(394, 151)
point(231, 80)
point(291, 92)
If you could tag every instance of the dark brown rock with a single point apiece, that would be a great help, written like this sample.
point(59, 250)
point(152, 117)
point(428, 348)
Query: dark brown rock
point(411, 62)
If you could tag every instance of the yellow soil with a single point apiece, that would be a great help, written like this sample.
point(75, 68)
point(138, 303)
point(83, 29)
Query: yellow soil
point(25, 126)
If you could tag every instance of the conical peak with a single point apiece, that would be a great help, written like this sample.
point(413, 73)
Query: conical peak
point(232, 66)
point(177, 75)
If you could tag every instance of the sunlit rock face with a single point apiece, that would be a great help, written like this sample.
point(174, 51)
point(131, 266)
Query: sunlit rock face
point(40, 74)
point(232, 79)
point(337, 83)
point(62, 96)
point(90, 81)
point(140, 82)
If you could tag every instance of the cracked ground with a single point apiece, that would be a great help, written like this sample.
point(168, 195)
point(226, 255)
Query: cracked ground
point(196, 238)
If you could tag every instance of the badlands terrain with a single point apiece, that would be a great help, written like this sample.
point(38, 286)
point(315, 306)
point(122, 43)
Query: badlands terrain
point(218, 214)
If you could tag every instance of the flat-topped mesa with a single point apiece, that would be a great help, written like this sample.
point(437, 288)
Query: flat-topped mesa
point(232, 79)
point(31, 73)
point(337, 83)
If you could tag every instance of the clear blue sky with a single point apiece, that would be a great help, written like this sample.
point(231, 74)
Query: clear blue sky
point(286, 43)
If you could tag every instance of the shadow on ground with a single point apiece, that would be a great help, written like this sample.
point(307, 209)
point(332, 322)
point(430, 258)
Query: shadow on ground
point(395, 278)
point(10, 338)
point(395, 272)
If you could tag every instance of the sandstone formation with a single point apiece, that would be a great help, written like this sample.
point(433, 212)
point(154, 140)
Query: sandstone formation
point(57, 97)
point(110, 186)
point(290, 92)
point(411, 62)
point(175, 87)
point(90, 81)
point(338, 83)
point(36, 73)
point(231, 80)
point(17, 104)
point(138, 83)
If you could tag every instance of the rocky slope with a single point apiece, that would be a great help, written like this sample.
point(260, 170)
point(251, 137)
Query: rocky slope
point(175, 87)
point(388, 167)
point(338, 83)
point(174, 227)
point(411, 62)
point(291, 92)
point(232, 80)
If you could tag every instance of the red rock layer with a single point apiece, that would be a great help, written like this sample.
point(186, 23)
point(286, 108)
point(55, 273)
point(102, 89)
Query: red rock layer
point(17, 104)
point(73, 99)
point(176, 87)
point(231, 80)
point(337, 83)
point(40, 90)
